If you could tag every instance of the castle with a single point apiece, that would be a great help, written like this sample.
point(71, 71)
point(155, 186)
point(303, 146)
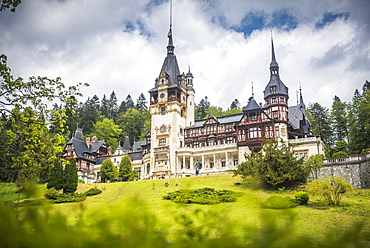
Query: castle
point(176, 141)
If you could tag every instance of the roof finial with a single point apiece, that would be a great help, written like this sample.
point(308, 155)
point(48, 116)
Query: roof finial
point(252, 90)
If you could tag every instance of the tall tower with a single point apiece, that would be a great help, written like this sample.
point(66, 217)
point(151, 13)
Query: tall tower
point(276, 99)
point(171, 109)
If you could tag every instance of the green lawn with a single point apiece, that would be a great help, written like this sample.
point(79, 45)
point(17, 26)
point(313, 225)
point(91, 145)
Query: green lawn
point(130, 200)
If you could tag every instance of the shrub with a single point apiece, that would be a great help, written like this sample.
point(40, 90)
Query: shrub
point(202, 196)
point(72, 197)
point(330, 189)
point(80, 181)
point(301, 198)
point(51, 194)
point(93, 191)
point(278, 202)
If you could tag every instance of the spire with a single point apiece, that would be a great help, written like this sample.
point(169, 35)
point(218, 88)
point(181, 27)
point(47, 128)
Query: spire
point(274, 67)
point(301, 102)
point(170, 47)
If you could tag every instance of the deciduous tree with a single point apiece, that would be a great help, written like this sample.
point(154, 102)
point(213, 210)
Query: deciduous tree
point(108, 171)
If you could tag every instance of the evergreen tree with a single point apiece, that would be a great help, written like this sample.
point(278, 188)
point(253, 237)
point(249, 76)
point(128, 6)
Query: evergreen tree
point(359, 127)
point(70, 177)
point(319, 118)
point(56, 175)
point(339, 119)
point(133, 124)
point(126, 104)
point(113, 106)
point(108, 171)
point(275, 166)
point(104, 107)
point(201, 109)
point(125, 169)
point(235, 104)
point(141, 103)
point(89, 115)
point(71, 110)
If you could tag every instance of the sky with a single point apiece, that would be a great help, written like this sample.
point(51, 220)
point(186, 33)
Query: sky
point(120, 45)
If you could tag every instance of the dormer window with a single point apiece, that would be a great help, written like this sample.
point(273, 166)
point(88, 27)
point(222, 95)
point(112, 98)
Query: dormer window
point(273, 89)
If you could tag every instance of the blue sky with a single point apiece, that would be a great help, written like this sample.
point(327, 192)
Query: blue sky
point(120, 45)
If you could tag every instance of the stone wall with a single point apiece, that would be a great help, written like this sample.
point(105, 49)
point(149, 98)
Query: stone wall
point(355, 169)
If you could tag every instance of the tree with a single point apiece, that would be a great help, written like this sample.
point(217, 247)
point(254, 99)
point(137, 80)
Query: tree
point(314, 163)
point(113, 106)
point(125, 169)
point(107, 130)
point(215, 111)
point(70, 177)
point(141, 103)
point(339, 119)
point(319, 118)
point(275, 166)
point(201, 109)
point(104, 107)
point(133, 123)
point(10, 4)
point(37, 91)
point(89, 114)
point(359, 127)
point(56, 175)
point(330, 189)
point(235, 104)
point(108, 171)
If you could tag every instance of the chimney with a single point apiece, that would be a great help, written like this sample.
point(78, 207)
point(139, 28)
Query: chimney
point(94, 139)
point(109, 151)
point(88, 141)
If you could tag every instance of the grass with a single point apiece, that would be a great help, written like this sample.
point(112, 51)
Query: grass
point(314, 220)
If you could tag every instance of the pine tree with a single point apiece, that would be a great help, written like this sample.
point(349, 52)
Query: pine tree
point(319, 118)
point(235, 104)
point(141, 103)
point(104, 106)
point(125, 169)
point(56, 175)
point(113, 107)
point(339, 119)
point(70, 177)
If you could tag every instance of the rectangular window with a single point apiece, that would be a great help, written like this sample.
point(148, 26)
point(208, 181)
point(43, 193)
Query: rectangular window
point(274, 114)
point(229, 140)
point(196, 144)
point(277, 133)
point(235, 162)
point(211, 165)
point(273, 100)
point(223, 163)
point(163, 110)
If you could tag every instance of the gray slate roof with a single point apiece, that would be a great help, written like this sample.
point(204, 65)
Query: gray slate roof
point(222, 120)
point(252, 105)
point(296, 114)
point(281, 89)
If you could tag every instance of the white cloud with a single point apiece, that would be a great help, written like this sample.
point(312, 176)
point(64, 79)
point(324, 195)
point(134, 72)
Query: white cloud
point(88, 41)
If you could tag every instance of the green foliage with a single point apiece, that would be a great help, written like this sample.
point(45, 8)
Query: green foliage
point(275, 166)
point(70, 197)
point(126, 173)
point(93, 191)
point(321, 125)
point(278, 202)
point(10, 192)
point(202, 196)
point(340, 154)
point(314, 163)
point(133, 225)
point(11, 4)
point(134, 123)
point(70, 177)
point(80, 181)
point(301, 198)
point(51, 194)
point(108, 131)
point(108, 171)
point(56, 175)
point(330, 189)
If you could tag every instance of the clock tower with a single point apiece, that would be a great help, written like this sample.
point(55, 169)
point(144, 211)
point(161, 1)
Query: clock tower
point(171, 109)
